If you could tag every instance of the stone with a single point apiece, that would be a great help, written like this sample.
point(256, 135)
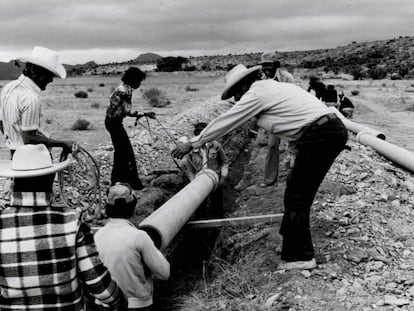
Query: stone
point(393, 300)
point(272, 299)
point(356, 255)
point(396, 203)
point(306, 273)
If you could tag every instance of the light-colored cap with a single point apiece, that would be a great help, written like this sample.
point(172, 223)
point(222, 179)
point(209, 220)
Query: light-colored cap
point(120, 191)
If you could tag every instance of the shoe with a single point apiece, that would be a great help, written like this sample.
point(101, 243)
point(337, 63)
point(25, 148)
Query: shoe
point(265, 184)
point(298, 265)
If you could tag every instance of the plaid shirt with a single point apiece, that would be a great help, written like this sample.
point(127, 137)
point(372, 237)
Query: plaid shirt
point(47, 256)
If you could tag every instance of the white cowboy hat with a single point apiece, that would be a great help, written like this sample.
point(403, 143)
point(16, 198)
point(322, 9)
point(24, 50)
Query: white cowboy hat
point(234, 76)
point(30, 161)
point(267, 57)
point(47, 59)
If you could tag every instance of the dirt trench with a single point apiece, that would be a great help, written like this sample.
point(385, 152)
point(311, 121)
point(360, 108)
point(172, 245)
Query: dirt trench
point(191, 249)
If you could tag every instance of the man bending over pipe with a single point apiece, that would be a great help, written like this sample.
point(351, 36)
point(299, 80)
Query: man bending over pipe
point(293, 114)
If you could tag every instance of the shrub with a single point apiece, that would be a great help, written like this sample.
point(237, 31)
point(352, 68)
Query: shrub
point(81, 94)
point(355, 92)
point(81, 125)
point(101, 84)
point(410, 108)
point(48, 121)
point(90, 90)
point(191, 89)
point(170, 63)
point(155, 97)
point(95, 105)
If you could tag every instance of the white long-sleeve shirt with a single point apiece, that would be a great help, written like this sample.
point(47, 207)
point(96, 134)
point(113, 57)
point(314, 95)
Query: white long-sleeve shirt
point(283, 109)
point(129, 253)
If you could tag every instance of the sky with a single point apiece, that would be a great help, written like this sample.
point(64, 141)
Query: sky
point(119, 30)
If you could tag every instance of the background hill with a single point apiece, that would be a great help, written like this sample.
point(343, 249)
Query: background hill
point(148, 58)
point(393, 58)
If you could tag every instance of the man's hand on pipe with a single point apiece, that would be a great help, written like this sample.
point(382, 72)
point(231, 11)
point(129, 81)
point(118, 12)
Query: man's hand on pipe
point(181, 150)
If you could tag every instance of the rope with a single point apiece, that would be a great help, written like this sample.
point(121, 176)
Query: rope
point(148, 128)
point(84, 178)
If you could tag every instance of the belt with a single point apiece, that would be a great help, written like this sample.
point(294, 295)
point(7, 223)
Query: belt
point(325, 118)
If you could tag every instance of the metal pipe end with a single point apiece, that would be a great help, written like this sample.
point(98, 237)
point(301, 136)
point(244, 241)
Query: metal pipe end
point(154, 234)
point(358, 136)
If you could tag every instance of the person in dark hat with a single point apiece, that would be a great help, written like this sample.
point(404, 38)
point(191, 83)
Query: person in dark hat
point(330, 97)
point(124, 167)
point(48, 258)
point(316, 85)
point(293, 114)
point(346, 107)
point(20, 104)
point(129, 253)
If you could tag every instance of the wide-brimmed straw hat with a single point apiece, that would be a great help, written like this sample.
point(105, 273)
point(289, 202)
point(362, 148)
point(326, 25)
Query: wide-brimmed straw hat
point(46, 58)
point(235, 75)
point(30, 161)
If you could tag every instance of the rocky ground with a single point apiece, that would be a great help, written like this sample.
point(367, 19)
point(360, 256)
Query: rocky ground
point(363, 235)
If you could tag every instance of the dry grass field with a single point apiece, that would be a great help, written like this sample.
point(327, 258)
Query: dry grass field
point(385, 104)
point(61, 108)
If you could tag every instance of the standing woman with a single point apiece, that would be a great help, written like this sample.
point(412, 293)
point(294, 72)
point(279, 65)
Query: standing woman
point(124, 168)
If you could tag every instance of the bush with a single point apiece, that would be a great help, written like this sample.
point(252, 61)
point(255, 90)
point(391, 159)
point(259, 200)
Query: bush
point(155, 97)
point(81, 125)
point(170, 63)
point(101, 84)
point(48, 121)
point(90, 90)
point(81, 94)
point(191, 89)
point(355, 92)
point(95, 105)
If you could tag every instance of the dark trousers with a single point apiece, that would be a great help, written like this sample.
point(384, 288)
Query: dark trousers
point(124, 167)
point(317, 149)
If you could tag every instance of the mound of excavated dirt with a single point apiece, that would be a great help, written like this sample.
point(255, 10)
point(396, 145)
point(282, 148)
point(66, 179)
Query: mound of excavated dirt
point(363, 234)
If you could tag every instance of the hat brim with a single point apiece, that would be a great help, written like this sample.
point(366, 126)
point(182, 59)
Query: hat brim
point(228, 90)
point(7, 171)
point(59, 72)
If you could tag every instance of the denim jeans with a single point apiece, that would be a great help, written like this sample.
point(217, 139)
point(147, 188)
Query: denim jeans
point(124, 167)
point(317, 149)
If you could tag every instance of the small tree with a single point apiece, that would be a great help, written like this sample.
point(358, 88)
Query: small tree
point(170, 63)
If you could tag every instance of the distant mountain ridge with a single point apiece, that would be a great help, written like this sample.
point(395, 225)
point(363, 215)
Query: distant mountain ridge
point(372, 59)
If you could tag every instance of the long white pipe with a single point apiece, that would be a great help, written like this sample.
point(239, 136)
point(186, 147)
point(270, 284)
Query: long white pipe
point(167, 220)
point(393, 152)
point(356, 127)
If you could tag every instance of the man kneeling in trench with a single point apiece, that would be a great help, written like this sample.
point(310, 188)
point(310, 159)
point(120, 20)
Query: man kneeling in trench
point(129, 253)
point(291, 113)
